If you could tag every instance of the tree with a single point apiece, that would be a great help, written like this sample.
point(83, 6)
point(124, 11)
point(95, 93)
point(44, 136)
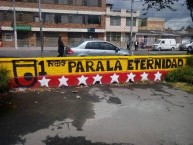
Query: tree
point(189, 4)
point(162, 4)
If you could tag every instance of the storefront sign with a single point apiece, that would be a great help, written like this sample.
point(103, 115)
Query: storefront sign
point(23, 28)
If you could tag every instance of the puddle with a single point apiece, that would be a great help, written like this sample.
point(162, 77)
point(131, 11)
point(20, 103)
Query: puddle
point(76, 141)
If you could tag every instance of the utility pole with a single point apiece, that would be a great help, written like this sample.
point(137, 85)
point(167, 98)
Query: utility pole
point(131, 29)
point(41, 25)
point(14, 25)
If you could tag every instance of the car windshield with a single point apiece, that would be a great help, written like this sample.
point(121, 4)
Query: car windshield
point(77, 43)
point(158, 41)
point(189, 41)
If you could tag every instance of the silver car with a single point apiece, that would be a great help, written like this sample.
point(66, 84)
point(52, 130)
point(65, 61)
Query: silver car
point(96, 48)
point(186, 46)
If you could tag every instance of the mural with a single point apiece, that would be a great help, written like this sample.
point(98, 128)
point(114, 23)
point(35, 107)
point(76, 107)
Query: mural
point(75, 71)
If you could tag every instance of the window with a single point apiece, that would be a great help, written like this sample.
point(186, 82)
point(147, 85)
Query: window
point(36, 17)
point(93, 19)
point(27, 17)
point(144, 22)
point(3, 16)
point(70, 19)
point(128, 21)
point(99, 3)
point(115, 21)
point(48, 1)
point(32, 1)
point(70, 2)
point(77, 19)
point(93, 45)
point(20, 17)
point(88, 46)
point(8, 37)
point(57, 18)
point(6, 16)
point(108, 46)
point(113, 36)
point(63, 2)
point(64, 19)
point(49, 18)
point(92, 3)
point(79, 2)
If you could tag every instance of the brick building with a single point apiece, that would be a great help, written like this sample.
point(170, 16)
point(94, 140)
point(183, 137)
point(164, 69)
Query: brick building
point(152, 24)
point(73, 19)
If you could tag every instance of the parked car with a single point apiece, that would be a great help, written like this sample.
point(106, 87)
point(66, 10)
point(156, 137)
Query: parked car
point(164, 44)
point(96, 48)
point(190, 51)
point(187, 45)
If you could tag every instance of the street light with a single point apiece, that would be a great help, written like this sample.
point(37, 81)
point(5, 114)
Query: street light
point(41, 24)
point(14, 24)
point(131, 28)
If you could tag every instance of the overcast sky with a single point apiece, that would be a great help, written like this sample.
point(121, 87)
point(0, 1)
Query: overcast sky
point(174, 19)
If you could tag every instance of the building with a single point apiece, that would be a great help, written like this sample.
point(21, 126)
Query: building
point(186, 35)
point(72, 19)
point(151, 29)
point(118, 25)
point(152, 24)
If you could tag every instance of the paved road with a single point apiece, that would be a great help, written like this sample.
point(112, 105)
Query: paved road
point(132, 114)
point(52, 52)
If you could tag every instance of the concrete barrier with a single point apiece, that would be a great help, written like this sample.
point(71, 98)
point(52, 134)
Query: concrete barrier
point(75, 71)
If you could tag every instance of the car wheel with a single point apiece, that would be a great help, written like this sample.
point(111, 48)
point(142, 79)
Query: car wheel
point(189, 48)
point(159, 49)
point(172, 49)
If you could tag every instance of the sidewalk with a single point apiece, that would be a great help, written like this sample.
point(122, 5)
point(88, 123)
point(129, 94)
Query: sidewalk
point(137, 114)
point(28, 48)
point(26, 52)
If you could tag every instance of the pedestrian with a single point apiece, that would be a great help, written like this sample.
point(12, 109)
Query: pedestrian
point(136, 45)
point(61, 47)
point(128, 44)
point(142, 45)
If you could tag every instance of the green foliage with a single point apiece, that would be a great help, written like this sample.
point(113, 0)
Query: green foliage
point(190, 61)
point(183, 74)
point(4, 80)
point(166, 4)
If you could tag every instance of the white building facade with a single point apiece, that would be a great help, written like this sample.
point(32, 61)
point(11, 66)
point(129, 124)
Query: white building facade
point(118, 25)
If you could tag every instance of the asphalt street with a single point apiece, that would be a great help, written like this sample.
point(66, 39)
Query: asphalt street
point(127, 114)
point(53, 52)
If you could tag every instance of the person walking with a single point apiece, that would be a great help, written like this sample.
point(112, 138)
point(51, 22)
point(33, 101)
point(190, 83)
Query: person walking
point(136, 45)
point(60, 47)
point(128, 44)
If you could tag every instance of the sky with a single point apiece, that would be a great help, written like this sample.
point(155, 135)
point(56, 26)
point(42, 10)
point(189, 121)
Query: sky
point(173, 19)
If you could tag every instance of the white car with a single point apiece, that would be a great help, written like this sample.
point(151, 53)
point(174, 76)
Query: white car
point(96, 48)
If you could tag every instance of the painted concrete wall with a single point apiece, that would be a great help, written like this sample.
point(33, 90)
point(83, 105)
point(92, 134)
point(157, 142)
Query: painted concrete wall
point(75, 71)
